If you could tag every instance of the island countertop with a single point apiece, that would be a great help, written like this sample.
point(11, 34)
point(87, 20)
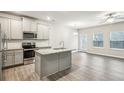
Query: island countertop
point(51, 51)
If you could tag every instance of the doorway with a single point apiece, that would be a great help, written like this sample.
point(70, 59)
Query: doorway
point(83, 42)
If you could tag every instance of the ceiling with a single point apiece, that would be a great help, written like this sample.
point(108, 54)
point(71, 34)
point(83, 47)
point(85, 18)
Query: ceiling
point(74, 19)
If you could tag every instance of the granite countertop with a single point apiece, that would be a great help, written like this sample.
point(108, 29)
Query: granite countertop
point(11, 49)
point(51, 51)
point(37, 48)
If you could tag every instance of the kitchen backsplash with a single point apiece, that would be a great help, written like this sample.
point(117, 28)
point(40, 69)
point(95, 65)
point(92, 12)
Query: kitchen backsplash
point(18, 44)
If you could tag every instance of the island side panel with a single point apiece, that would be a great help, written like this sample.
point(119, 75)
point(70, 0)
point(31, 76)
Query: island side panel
point(64, 60)
point(40, 65)
point(52, 63)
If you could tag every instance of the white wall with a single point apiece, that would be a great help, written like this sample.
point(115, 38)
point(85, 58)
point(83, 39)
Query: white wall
point(106, 29)
point(60, 32)
point(15, 44)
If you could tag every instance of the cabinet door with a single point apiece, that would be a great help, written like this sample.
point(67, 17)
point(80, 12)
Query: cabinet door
point(43, 32)
point(19, 57)
point(5, 26)
point(46, 32)
point(26, 24)
point(40, 31)
point(16, 29)
point(29, 25)
point(52, 64)
point(33, 26)
point(10, 59)
point(38, 64)
point(64, 60)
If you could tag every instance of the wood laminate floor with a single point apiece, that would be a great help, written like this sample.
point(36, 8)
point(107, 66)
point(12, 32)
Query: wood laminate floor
point(85, 67)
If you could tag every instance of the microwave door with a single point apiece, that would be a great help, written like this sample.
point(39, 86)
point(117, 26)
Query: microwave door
point(28, 35)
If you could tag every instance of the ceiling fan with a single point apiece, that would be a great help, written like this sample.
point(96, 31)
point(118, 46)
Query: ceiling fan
point(112, 17)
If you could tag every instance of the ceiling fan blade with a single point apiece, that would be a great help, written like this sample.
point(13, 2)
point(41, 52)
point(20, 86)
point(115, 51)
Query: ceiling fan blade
point(119, 17)
point(105, 20)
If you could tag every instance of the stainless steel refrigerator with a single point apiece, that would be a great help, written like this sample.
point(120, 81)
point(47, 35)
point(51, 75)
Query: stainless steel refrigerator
point(3, 47)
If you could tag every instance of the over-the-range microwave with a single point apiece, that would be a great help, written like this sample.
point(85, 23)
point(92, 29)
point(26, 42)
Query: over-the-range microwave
point(29, 35)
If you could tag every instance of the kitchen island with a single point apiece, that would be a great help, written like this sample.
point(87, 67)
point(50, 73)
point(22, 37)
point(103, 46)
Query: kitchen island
point(51, 61)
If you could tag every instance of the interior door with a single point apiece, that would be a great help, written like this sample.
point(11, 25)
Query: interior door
point(83, 42)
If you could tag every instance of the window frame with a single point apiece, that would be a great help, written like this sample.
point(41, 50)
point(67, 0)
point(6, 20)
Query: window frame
point(110, 40)
point(93, 40)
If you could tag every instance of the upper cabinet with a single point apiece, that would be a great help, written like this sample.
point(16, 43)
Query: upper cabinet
point(43, 31)
point(14, 26)
point(16, 29)
point(5, 26)
point(11, 27)
point(29, 24)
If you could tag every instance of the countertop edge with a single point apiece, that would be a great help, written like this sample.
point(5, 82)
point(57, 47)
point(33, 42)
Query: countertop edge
point(52, 52)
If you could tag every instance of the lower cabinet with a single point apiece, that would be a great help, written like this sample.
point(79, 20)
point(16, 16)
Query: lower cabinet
point(52, 63)
point(48, 64)
point(64, 60)
point(13, 58)
point(18, 57)
point(37, 64)
point(9, 59)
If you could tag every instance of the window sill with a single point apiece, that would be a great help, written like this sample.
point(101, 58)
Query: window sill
point(98, 47)
point(116, 49)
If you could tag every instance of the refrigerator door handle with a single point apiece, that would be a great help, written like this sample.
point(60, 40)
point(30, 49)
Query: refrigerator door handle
point(6, 48)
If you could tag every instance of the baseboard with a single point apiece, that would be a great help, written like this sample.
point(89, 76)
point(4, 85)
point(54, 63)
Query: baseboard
point(106, 55)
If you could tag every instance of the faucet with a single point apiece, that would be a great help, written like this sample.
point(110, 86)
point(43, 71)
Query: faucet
point(61, 42)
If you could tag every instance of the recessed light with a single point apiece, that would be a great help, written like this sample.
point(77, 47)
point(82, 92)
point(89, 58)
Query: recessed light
point(48, 18)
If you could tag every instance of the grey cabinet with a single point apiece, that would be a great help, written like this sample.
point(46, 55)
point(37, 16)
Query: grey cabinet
point(52, 64)
point(48, 64)
point(9, 59)
point(18, 57)
point(13, 57)
point(64, 60)
point(38, 64)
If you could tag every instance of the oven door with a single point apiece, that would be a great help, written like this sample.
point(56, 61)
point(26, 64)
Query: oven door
point(29, 54)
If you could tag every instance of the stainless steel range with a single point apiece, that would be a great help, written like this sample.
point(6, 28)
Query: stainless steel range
point(29, 52)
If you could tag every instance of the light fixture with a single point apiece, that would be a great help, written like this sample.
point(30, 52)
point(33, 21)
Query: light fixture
point(76, 25)
point(110, 20)
point(48, 18)
point(75, 33)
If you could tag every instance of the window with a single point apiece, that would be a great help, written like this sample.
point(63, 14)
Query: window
point(117, 40)
point(98, 39)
